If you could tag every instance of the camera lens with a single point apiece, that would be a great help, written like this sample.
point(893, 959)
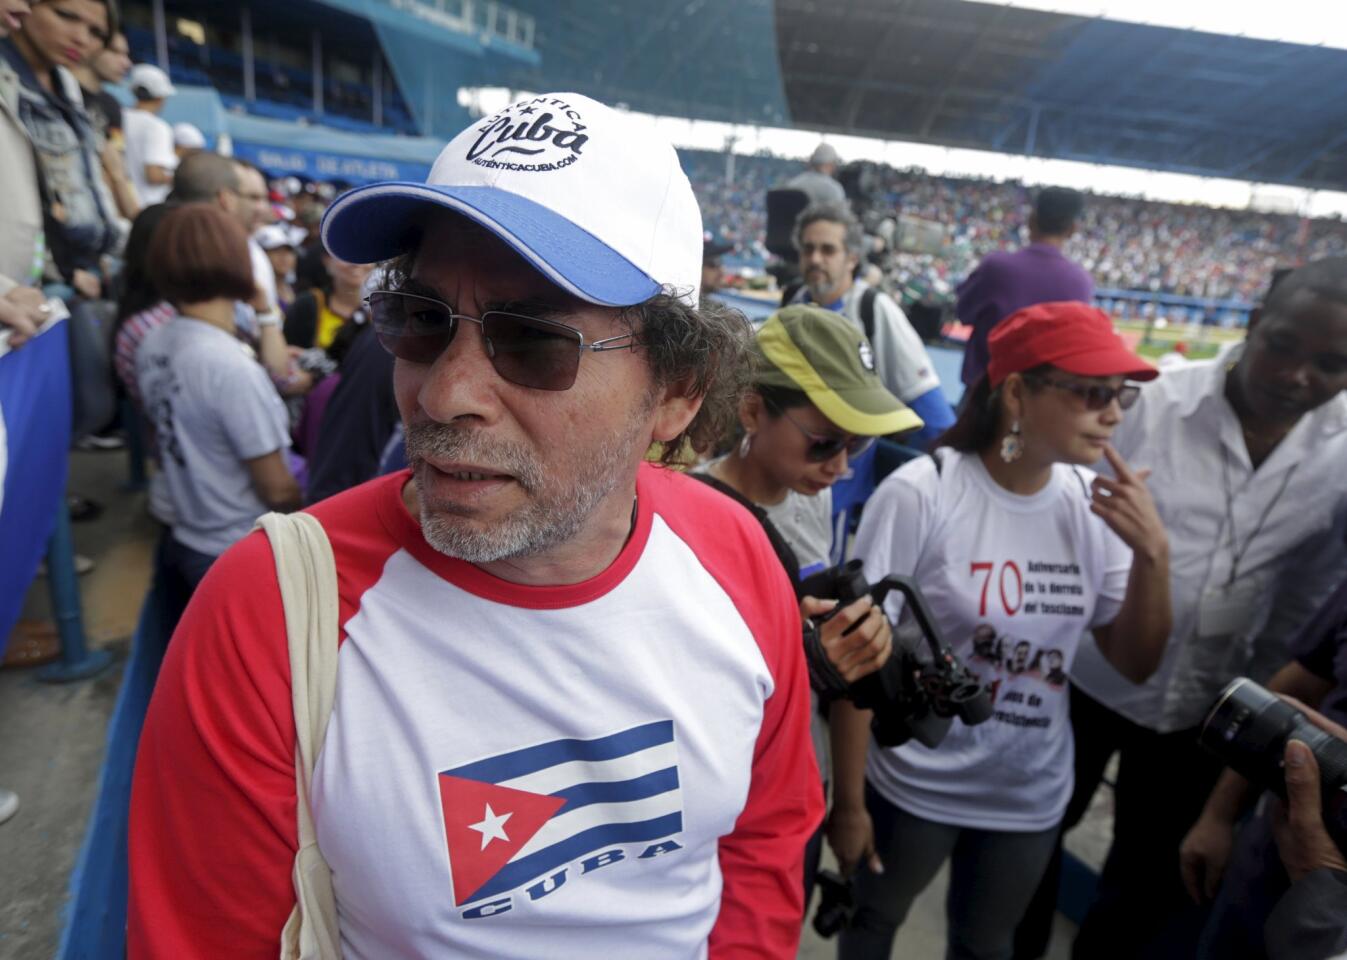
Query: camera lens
point(1248, 728)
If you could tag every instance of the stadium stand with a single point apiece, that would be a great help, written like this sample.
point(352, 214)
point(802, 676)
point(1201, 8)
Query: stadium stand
point(1128, 244)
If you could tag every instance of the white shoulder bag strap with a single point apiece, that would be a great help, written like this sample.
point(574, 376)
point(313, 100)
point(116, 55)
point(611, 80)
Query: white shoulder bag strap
point(307, 575)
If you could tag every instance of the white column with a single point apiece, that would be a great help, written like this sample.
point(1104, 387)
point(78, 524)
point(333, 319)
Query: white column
point(317, 73)
point(160, 35)
point(377, 82)
point(249, 69)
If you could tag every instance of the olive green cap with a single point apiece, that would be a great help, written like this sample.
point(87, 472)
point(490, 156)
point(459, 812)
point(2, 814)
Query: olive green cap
point(822, 353)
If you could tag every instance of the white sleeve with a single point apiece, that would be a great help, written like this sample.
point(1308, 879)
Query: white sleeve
point(159, 146)
point(1304, 583)
point(900, 357)
point(898, 519)
point(264, 274)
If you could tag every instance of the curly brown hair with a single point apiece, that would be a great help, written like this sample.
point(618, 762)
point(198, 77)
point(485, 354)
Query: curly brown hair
point(705, 349)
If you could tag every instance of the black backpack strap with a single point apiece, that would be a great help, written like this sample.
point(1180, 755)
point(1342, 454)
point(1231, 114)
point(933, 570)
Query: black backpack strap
point(868, 297)
point(779, 546)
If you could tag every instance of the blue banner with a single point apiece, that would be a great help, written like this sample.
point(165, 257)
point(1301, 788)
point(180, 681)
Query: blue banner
point(35, 407)
point(310, 164)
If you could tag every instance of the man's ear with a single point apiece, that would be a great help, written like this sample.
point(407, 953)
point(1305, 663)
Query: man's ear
point(675, 409)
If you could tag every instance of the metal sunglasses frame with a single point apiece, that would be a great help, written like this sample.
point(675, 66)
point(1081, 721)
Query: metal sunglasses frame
point(597, 346)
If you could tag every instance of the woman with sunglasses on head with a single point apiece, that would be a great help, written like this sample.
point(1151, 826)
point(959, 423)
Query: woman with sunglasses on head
point(814, 405)
point(1005, 530)
point(80, 216)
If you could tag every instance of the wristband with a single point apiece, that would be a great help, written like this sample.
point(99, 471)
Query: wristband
point(272, 318)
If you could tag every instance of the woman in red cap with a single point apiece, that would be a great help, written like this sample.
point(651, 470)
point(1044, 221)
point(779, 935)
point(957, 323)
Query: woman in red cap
point(1019, 549)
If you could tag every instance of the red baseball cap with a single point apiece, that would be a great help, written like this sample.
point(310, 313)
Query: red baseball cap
point(1073, 336)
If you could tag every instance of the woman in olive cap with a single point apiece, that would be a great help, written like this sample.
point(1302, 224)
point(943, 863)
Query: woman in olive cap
point(815, 404)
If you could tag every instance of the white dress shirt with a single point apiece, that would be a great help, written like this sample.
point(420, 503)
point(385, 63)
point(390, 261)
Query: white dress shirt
point(1252, 552)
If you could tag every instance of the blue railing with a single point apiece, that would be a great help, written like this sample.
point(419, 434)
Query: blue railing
point(1146, 305)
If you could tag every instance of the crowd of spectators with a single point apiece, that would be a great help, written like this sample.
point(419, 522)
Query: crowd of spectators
point(1126, 243)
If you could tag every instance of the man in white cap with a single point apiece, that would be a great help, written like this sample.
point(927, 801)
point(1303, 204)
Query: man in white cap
point(818, 180)
point(187, 140)
point(571, 710)
point(150, 158)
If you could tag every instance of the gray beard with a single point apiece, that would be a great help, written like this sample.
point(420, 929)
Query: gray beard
point(820, 297)
point(554, 513)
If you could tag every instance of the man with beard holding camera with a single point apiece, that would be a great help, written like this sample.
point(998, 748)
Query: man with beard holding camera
point(571, 714)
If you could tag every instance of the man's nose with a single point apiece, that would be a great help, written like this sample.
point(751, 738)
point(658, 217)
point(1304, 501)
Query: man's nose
point(462, 381)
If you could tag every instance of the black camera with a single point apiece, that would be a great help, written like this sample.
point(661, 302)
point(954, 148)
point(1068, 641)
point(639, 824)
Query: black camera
point(916, 694)
point(1247, 728)
point(835, 907)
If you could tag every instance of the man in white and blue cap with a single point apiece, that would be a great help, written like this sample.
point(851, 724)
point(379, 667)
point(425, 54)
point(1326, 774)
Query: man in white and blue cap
point(571, 711)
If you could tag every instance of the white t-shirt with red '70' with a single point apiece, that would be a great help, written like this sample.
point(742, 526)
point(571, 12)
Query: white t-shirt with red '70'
point(1013, 582)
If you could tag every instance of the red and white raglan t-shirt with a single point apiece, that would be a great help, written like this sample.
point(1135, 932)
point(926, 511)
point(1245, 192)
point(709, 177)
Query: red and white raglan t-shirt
point(619, 767)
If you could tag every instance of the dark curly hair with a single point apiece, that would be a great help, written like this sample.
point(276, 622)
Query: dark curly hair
point(703, 348)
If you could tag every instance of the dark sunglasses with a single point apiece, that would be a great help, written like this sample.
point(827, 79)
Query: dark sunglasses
point(1096, 396)
point(821, 449)
point(528, 351)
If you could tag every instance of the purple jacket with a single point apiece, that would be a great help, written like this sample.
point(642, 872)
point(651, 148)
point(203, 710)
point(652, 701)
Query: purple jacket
point(1006, 282)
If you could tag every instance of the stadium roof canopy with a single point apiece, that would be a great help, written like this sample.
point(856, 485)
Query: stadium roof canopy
point(704, 59)
point(993, 77)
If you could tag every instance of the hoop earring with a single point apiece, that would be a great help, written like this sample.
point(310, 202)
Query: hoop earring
point(745, 445)
point(1012, 445)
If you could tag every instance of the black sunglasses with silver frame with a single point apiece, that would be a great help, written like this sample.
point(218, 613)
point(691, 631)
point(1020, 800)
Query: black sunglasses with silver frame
point(1097, 396)
point(531, 352)
point(823, 448)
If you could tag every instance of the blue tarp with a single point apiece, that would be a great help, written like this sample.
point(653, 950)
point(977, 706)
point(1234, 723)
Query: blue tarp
point(321, 153)
point(35, 406)
point(321, 165)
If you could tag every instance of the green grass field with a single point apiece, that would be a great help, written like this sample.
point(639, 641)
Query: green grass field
point(1202, 342)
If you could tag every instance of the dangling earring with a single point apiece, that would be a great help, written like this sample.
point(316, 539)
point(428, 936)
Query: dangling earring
point(1012, 446)
point(745, 445)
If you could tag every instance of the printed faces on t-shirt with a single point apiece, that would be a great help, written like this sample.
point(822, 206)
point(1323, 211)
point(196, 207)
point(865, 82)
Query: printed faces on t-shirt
point(1018, 669)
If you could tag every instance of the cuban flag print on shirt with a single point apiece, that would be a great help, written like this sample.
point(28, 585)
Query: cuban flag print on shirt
point(519, 816)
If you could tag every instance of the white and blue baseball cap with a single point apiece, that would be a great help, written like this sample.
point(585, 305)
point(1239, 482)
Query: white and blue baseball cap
point(590, 196)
